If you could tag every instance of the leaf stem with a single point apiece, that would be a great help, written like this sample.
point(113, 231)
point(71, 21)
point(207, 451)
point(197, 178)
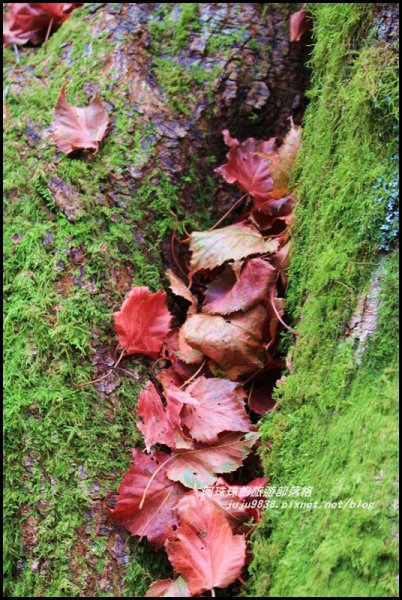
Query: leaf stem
point(278, 316)
point(172, 240)
point(81, 385)
point(228, 212)
point(193, 376)
point(49, 29)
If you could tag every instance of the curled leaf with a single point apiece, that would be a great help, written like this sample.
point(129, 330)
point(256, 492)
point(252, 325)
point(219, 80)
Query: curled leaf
point(76, 128)
point(204, 549)
point(282, 160)
point(143, 322)
point(179, 288)
point(300, 23)
point(245, 167)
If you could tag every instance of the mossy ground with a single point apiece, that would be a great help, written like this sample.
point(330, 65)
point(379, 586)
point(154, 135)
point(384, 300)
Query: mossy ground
point(336, 427)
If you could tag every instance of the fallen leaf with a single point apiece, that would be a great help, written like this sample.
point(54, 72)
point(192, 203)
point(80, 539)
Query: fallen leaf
point(177, 350)
point(157, 516)
point(179, 288)
point(31, 22)
point(246, 167)
point(143, 322)
point(204, 549)
point(211, 249)
point(219, 407)
point(281, 162)
point(232, 341)
point(300, 23)
point(227, 295)
point(198, 467)
point(161, 424)
point(169, 588)
point(76, 128)
point(231, 499)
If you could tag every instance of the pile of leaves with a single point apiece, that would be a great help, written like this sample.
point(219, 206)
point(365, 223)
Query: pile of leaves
point(33, 22)
point(219, 367)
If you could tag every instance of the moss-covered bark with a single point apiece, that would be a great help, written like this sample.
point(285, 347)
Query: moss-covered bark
point(79, 232)
point(336, 428)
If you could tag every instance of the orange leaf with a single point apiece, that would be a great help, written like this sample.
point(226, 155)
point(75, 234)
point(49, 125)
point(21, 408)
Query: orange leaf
point(77, 128)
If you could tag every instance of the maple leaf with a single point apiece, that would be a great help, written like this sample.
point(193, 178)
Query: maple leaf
point(168, 588)
point(161, 424)
point(232, 341)
point(219, 407)
point(211, 249)
point(76, 128)
point(143, 322)
point(300, 23)
point(198, 467)
point(31, 22)
point(157, 516)
point(227, 295)
point(246, 167)
point(179, 288)
point(204, 549)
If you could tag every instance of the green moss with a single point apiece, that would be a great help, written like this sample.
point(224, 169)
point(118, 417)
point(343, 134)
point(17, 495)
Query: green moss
point(335, 430)
point(170, 30)
point(52, 323)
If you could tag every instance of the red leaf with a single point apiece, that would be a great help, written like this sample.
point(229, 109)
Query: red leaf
point(143, 322)
point(250, 171)
point(204, 549)
point(198, 467)
point(157, 516)
point(234, 341)
point(226, 295)
point(300, 23)
point(76, 128)
point(169, 588)
point(219, 407)
point(30, 22)
point(168, 377)
point(161, 424)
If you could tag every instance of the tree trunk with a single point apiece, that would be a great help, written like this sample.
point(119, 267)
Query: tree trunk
point(81, 231)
